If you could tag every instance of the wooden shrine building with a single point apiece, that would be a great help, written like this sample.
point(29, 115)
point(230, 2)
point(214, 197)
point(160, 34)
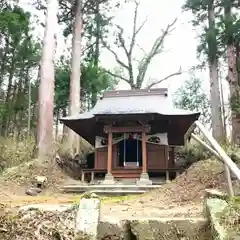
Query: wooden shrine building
point(133, 132)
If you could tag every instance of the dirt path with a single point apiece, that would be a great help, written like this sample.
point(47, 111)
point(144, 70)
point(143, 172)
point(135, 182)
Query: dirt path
point(131, 211)
point(113, 208)
point(19, 200)
point(182, 197)
point(120, 212)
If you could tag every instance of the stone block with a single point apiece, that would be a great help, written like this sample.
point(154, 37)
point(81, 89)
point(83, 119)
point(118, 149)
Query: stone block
point(214, 193)
point(41, 181)
point(114, 229)
point(88, 215)
point(174, 229)
point(33, 191)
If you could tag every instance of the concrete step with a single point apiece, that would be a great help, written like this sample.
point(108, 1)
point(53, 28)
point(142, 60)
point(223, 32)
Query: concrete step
point(110, 188)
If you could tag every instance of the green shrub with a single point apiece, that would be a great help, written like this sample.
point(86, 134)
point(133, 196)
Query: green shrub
point(233, 152)
point(230, 217)
point(195, 152)
point(13, 153)
point(65, 152)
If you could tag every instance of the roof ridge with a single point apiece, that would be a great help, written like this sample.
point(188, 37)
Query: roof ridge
point(136, 92)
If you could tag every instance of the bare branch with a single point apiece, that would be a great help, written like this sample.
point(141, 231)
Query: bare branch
point(115, 55)
point(135, 29)
point(121, 40)
point(141, 49)
point(179, 72)
point(118, 76)
point(155, 50)
point(84, 50)
point(128, 50)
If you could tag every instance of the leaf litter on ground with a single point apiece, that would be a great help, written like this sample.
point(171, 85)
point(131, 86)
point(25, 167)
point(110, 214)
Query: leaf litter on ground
point(34, 224)
point(187, 189)
point(190, 186)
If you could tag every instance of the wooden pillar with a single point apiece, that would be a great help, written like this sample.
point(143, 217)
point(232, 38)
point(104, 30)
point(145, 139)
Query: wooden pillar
point(109, 159)
point(144, 153)
point(172, 156)
point(83, 176)
point(92, 176)
point(167, 161)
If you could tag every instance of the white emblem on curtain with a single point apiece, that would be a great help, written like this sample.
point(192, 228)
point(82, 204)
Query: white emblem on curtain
point(158, 138)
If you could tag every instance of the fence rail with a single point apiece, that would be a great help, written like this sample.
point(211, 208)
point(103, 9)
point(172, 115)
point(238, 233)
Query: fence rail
point(217, 151)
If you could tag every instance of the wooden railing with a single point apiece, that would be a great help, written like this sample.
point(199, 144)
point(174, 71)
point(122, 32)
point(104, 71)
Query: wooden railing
point(217, 151)
point(92, 171)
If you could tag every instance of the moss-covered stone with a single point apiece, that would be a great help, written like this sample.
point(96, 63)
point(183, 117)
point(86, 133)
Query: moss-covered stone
point(215, 207)
point(114, 229)
point(88, 195)
point(174, 229)
point(230, 217)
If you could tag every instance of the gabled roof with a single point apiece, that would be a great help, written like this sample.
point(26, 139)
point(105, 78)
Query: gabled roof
point(133, 102)
point(125, 102)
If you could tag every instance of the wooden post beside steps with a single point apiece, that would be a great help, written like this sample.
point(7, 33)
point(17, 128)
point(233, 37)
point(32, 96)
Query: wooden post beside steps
point(144, 153)
point(109, 177)
point(144, 178)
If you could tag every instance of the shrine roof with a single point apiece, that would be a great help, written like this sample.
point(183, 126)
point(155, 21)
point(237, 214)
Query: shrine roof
point(127, 102)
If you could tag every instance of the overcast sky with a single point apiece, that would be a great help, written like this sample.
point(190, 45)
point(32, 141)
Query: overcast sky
point(180, 46)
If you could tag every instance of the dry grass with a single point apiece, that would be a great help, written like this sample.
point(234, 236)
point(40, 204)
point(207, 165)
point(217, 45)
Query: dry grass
point(185, 191)
point(38, 225)
point(19, 168)
point(65, 152)
point(182, 197)
point(13, 153)
point(230, 217)
point(196, 152)
point(24, 173)
point(190, 186)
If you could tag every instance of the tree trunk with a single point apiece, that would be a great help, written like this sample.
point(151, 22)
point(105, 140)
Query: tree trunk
point(223, 109)
point(217, 122)
point(74, 98)
point(65, 128)
point(46, 87)
point(29, 106)
point(237, 47)
point(57, 123)
point(3, 61)
point(233, 80)
point(98, 34)
point(6, 116)
point(96, 51)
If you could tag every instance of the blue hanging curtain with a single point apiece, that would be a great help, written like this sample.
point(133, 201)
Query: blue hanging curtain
point(137, 152)
point(124, 158)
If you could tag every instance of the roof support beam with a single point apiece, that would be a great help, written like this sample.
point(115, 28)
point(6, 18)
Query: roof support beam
point(114, 129)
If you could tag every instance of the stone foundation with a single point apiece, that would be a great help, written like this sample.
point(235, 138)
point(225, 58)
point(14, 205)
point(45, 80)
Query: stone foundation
point(144, 179)
point(108, 180)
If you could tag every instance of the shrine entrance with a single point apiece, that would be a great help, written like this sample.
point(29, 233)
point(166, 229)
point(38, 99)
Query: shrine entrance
point(130, 151)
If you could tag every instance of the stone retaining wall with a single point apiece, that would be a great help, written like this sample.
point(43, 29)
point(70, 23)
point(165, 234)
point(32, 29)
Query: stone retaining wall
point(155, 229)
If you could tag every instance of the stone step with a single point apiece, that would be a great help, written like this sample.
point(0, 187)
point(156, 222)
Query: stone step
point(110, 188)
point(119, 186)
point(118, 192)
